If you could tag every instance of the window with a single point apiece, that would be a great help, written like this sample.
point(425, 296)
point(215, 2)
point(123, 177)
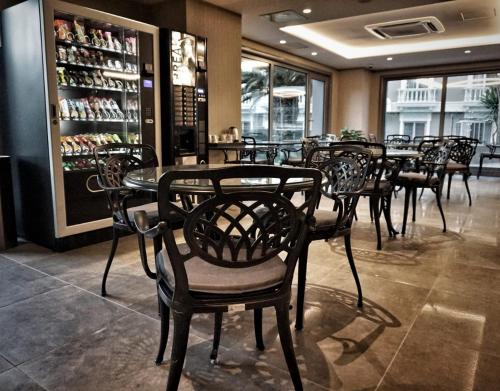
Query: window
point(289, 104)
point(469, 108)
point(255, 98)
point(413, 106)
point(297, 106)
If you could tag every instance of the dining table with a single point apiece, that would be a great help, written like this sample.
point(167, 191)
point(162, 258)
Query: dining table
point(147, 179)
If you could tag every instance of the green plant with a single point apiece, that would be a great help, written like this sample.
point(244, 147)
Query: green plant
point(350, 134)
point(490, 100)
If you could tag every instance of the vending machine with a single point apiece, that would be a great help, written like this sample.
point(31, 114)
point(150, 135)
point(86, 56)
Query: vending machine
point(75, 78)
point(184, 97)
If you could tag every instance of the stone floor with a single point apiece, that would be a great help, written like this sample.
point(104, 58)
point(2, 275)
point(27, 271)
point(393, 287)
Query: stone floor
point(431, 319)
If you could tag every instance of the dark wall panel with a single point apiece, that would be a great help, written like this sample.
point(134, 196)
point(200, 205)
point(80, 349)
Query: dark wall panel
point(25, 126)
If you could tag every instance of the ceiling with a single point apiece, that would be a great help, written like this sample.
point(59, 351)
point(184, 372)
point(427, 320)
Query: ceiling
point(342, 22)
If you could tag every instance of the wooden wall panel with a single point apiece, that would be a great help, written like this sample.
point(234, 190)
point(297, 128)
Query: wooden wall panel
point(223, 31)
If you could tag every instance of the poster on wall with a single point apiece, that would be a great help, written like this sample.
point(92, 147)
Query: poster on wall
point(183, 59)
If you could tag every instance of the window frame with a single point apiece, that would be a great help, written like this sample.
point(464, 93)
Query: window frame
point(310, 74)
point(445, 74)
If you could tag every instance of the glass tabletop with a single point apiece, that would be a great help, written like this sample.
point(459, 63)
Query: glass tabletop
point(147, 179)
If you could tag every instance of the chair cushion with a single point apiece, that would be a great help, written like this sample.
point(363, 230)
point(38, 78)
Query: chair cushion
point(323, 219)
point(452, 167)
point(151, 210)
point(417, 178)
point(384, 186)
point(208, 278)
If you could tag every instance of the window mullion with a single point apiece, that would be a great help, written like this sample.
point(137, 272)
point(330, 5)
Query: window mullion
point(443, 106)
point(271, 100)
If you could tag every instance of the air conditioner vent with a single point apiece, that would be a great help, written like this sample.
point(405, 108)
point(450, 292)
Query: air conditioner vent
point(406, 28)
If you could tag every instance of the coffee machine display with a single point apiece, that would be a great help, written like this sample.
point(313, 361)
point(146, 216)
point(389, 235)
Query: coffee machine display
point(184, 96)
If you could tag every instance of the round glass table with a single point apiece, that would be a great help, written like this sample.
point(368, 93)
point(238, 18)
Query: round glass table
point(147, 179)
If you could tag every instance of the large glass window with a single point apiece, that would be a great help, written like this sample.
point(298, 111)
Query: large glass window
point(470, 108)
point(255, 98)
point(316, 108)
point(295, 109)
point(413, 106)
point(289, 103)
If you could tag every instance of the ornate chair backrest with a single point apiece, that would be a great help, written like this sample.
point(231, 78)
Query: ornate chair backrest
point(378, 160)
point(247, 140)
point(307, 145)
point(463, 150)
point(434, 161)
point(427, 142)
point(226, 229)
point(113, 162)
point(397, 139)
point(345, 168)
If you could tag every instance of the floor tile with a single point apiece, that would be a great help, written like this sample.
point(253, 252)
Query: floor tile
point(4, 364)
point(431, 364)
point(35, 326)
point(467, 321)
point(15, 380)
point(18, 282)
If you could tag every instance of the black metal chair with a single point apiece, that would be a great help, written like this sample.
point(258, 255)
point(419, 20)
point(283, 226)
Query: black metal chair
point(419, 139)
point(397, 139)
point(492, 154)
point(308, 143)
point(380, 179)
point(345, 168)
point(231, 258)
point(243, 156)
point(461, 154)
point(113, 162)
point(432, 169)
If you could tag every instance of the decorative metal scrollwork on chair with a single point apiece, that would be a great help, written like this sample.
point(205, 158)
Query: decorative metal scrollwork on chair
point(229, 256)
point(113, 162)
point(344, 168)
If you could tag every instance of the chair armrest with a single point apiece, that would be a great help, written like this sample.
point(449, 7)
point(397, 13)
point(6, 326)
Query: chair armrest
point(142, 225)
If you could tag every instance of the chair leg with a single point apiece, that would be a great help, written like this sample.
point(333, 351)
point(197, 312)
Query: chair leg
point(182, 321)
point(480, 166)
point(376, 204)
point(257, 323)
point(144, 256)
point(438, 199)
point(350, 258)
point(283, 320)
point(408, 191)
point(386, 208)
point(371, 208)
point(114, 245)
point(414, 204)
point(450, 177)
point(165, 319)
point(421, 193)
point(301, 287)
point(217, 333)
point(466, 181)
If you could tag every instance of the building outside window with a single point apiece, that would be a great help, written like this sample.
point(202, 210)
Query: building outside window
point(470, 108)
point(296, 108)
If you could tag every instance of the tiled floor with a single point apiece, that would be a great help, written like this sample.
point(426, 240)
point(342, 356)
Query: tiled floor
point(431, 319)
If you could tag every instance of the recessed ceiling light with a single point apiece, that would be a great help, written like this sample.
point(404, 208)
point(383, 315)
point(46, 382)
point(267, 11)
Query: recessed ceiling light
point(467, 51)
point(282, 41)
point(389, 58)
point(314, 53)
point(306, 11)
